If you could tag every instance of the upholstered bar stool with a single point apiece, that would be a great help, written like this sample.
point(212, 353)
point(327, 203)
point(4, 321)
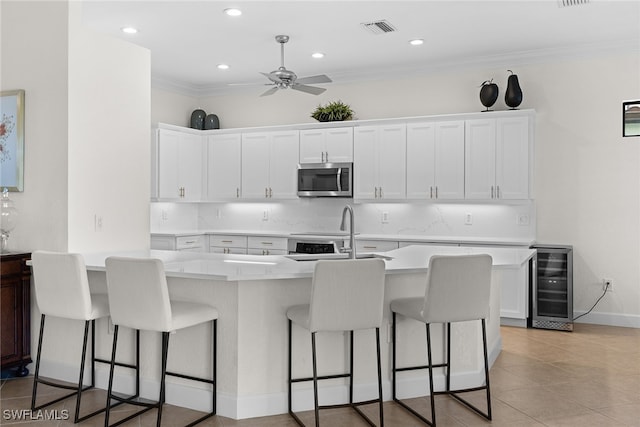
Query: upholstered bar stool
point(458, 290)
point(139, 299)
point(62, 290)
point(346, 295)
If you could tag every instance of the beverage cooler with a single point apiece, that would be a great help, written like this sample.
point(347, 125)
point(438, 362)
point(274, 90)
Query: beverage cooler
point(551, 298)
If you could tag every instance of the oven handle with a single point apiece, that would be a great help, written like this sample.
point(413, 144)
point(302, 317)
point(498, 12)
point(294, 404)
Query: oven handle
point(339, 174)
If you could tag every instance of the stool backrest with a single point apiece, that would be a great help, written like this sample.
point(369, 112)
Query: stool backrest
point(458, 288)
point(347, 295)
point(138, 293)
point(61, 285)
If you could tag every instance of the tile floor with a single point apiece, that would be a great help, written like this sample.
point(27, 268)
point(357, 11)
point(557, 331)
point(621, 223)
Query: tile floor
point(590, 377)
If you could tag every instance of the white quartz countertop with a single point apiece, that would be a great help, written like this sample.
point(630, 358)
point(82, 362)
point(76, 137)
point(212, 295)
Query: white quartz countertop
point(504, 241)
point(230, 267)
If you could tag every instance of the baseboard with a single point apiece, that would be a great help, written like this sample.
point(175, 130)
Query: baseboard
point(609, 319)
point(188, 395)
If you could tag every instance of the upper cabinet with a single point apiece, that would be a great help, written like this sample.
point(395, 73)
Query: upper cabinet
point(497, 158)
point(435, 160)
point(178, 162)
point(379, 157)
point(330, 145)
point(269, 165)
point(224, 166)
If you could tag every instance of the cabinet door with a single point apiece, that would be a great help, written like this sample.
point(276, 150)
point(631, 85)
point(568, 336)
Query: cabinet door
point(255, 166)
point(512, 161)
point(312, 146)
point(449, 160)
point(421, 162)
point(339, 145)
point(224, 166)
point(365, 147)
point(392, 157)
point(283, 162)
point(180, 165)
point(480, 159)
point(168, 173)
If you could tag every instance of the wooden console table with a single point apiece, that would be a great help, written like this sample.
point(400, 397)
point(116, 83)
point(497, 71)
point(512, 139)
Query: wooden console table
point(15, 310)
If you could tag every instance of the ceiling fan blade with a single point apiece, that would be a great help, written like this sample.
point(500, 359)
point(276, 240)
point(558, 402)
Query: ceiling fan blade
point(308, 89)
point(314, 79)
point(270, 91)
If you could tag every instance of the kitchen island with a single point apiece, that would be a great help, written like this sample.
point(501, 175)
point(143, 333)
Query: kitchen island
point(252, 294)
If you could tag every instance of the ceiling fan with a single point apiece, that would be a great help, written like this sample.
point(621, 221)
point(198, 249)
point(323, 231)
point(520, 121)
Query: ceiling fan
point(287, 79)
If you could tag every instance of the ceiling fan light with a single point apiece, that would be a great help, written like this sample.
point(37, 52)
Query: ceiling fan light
point(223, 67)
point(129, 30)
point(233, 11)
point(416, 42)
point(317, 55)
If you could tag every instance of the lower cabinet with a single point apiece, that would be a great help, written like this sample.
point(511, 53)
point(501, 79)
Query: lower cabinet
point(15, 308)
point(266, 245)
point(227, 244)
point(192, 243)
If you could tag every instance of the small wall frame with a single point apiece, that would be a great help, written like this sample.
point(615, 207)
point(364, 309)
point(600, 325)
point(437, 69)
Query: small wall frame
point(12, 140)
point(631, 118)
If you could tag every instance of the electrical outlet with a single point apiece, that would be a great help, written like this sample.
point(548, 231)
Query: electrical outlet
point(165, 215)
point(468, 218)
point(607, 285)
point(523, 219)
point(385, 217)
point(265, 215)
point(97, 222)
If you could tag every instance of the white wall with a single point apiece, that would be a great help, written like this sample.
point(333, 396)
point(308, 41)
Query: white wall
point(109, 134)
point(34, 54)
point(587, 181)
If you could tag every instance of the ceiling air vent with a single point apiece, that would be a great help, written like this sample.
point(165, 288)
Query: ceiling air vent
point(565, 3)
point(379, 27)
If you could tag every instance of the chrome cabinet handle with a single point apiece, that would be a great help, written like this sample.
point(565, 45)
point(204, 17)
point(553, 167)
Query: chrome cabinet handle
point(338, 183)
point(266, 192)
point(436, 191)
point(376, 192)
point(381, 192)
point(326, 156)
point(492, 191)
point(497, 191)
point(270, 192)
point(266, 243)
point(227, 241)
point(322, 156)
point(430, 192)
point(237, 193)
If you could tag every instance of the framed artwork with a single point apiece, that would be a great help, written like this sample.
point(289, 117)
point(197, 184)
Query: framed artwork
point(12, 140)
point(631, 118)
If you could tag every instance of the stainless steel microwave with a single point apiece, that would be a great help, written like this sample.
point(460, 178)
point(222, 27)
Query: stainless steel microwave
point(325, 180)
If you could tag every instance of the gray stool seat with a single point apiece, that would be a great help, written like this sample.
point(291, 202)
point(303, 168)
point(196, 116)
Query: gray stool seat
point(62, 290)
point(458, 289)
point(139, 299)
point(346, 295)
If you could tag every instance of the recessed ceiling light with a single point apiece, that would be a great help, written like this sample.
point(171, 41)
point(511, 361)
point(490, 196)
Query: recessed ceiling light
point(233, 12)
point(416, 42)
point(129, 30)
point(223, 67)
point(317, 55)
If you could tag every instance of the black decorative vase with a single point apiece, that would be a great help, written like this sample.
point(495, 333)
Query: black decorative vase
point(488, 94)
point(211, 122)
point(197, 119)
point(513, 96)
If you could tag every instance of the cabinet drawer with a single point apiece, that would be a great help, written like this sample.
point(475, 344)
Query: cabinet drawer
point(227, 241)
point(256, 251)
point(263, 242)
point(10, 267)
point(190, 242)
point(219, 250)
point(375, 245)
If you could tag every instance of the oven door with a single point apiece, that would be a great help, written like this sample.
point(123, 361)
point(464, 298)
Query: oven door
point(325, 180)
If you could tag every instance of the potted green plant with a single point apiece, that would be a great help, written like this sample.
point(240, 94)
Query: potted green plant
point(332, 112)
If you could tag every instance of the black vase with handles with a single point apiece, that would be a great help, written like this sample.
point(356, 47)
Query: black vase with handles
point(197, 119)
point(211, 122)
point(513, 96)
point(488, 94)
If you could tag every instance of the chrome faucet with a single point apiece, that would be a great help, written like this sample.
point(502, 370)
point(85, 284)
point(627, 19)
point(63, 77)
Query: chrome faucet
point(352, 229)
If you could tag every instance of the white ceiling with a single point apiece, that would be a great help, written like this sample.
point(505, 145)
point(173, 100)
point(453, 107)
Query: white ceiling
point(188, 39)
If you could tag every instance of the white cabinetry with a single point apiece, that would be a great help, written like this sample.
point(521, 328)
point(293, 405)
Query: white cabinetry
point(331, 145)
point(379, 162)
point(227, 244)
point(178, 161)
point(364, 246)
point(193, 243)
point(224, 166)
point(435, 160)
point(497, 158)
point(266, 245)
point(269, 161)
